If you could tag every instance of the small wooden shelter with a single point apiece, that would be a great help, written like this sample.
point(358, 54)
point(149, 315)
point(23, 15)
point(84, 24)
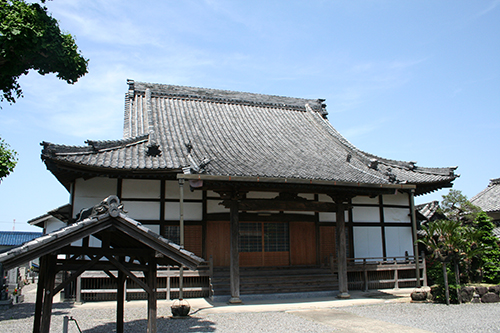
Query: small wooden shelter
point(126, 247)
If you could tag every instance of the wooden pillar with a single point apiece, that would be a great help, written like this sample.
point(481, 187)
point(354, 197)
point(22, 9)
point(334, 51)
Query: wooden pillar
point(120, 301)
point(342, 255)
point(413, 217)
point(37, 322)
point(48, 297)
point(234, 274)
point(152, 306)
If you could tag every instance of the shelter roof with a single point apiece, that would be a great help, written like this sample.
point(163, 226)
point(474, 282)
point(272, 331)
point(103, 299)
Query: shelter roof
point(15, 238)
point(489, 198)
point(124, 232)
point(171, 129)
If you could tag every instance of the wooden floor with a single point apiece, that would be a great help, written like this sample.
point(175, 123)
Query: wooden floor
point(267, 280)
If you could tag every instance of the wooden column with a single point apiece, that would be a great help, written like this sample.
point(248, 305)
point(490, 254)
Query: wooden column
point(120, 301)
point(413, 217)
point(341, 253)
point(151, 280)
point(235, 255)
point(37, 322)
point(49, 282)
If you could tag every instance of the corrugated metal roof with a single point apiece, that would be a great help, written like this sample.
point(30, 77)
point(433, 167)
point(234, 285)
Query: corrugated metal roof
point(16, 238)
point(242, 134)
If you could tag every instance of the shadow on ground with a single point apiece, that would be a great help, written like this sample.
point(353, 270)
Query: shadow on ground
point(164, 324)
point(27, 310)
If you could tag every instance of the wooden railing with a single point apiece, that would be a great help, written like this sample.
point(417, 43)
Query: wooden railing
point(380, 272)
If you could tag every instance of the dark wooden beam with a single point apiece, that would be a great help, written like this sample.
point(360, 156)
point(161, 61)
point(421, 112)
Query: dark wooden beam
point(48, 299)
point(341, 245)
point(120, 299)
point(152, 306)
point(259, 205)
point(76, 274)
point(40, 292)
point(234, 255)
point(131, 275)
point(271, 217)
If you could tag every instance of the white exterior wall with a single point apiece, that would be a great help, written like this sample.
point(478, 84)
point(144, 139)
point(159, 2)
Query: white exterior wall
point(398, 240)
point(90, 192)
point(366, 214)
point(141, 188)
point(367, 242)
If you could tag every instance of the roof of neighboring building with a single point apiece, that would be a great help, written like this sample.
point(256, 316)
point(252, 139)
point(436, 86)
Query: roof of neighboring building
point(168, 128)
point(15, 238)
point(489, 198)
point(61, 213)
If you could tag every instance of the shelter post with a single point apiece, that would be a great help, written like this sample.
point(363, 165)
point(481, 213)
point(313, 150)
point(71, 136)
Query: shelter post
point(120, 299)
point(152, 306)
point(49, 281)
point(37, 322)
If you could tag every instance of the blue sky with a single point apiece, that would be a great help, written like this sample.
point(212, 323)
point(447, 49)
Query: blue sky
point(406, 80)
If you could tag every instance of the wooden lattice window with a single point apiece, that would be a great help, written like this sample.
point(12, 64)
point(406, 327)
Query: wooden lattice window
point(264, 236)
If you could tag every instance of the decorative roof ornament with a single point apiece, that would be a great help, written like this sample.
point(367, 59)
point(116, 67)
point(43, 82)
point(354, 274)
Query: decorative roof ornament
point(109, 205)
point(194, 167)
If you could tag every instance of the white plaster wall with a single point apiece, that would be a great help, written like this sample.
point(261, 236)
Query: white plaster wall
point(153, 227)
point(367, 242)
point(396, 215)
point(398, 199)
point(398, 240)
point(193, 211)
point(172, 191)
point(214, 207)
point(53, 225)
point(92, 191)
point(332, 217)
point(139, 210)
point(365, 200)
point(141, 188)
point(366, 214)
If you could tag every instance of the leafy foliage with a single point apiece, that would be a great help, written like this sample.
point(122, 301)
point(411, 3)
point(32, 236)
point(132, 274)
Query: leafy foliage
point(456, 207)
point(31, 39)
point(464, 241)
point(8, 159)
point(488, 264)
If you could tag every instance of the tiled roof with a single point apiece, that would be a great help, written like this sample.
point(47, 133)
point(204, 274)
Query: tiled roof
point(428, 210)
point(489, 198)
point(241, 134)
point(62, 237)
point(15, 238)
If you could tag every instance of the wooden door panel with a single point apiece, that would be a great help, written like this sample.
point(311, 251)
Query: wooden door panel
point(218, 243)
point(302, 243)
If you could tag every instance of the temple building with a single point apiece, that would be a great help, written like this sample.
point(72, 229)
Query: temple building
point(259, 186)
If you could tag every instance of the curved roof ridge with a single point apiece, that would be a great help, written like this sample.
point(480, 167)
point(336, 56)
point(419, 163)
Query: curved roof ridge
point(93, 146)
point(228, 96)
point(368, 158)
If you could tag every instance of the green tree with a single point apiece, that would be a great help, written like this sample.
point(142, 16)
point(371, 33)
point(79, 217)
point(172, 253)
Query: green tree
point(455, 206)
point(487, 266)
point(31, 39)
point(450, 242)
point(8, 159)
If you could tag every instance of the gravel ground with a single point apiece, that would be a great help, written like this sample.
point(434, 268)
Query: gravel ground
point(431, 317)
point(435, 317)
